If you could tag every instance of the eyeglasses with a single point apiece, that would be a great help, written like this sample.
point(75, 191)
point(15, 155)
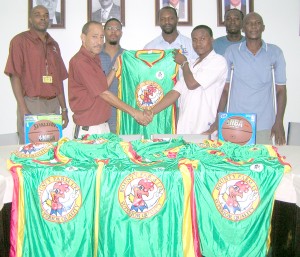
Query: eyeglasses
point(113, 28)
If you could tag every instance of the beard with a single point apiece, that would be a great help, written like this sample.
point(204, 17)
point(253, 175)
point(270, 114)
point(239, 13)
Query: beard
point(113, 43)
point(233, 30)
point(168, 30)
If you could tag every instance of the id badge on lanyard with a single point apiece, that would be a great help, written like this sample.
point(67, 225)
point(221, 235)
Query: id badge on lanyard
point(47, 79)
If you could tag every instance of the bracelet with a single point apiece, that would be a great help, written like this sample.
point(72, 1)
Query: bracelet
point(114, 68)
point(183, 63)
point(64, 109)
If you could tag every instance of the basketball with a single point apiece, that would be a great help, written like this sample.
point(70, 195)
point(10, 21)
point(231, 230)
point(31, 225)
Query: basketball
point(237, 130)
point(43, 131)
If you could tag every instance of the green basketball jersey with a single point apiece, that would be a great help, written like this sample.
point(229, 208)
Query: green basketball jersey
point(145, 210)
point(145, 77)
point(234, 194)
point(55, 207)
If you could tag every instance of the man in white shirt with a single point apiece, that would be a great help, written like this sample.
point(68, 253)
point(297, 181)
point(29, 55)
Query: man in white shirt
point(200, 87)
point(170, 37)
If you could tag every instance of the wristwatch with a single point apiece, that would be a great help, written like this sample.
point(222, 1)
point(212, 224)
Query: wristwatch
point(184, 63)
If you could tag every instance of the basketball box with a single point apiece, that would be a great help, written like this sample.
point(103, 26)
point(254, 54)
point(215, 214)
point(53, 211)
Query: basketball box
point(238, 128)
point(42, 128)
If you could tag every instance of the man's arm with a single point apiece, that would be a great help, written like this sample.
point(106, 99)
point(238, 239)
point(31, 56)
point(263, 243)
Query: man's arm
point(221, 108)
point(190, 81)
point(167, 100)
point(63, 106)
point(110, 77)
point(141, 117)
point(18, 92)
point(278, 128)
point(112, 74)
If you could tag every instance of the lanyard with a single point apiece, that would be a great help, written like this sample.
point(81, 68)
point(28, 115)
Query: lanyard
point(46, 78)
point(46, 60)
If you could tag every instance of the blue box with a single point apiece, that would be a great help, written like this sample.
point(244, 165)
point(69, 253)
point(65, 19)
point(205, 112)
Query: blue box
point(238, 128)
point(42, 128)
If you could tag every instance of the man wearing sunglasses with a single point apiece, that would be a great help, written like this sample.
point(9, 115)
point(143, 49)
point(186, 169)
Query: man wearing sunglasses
point(110, 51)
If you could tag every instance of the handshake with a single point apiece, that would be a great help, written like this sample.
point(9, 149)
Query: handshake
point(143, 117)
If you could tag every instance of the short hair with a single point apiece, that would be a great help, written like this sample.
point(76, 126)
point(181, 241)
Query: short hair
point(38, 7)
point(168, 8)
point(85, 28)
point(208, 29)
point(234, 9)
point(251, 14)
point(112, 19)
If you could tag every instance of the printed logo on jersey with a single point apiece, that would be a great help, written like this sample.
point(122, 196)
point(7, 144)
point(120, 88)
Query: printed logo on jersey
point(210, 144)
point(33, 150)
point(236, 196)
point(257, 167)
point(52, 162)
point(254, 149)
point(160, 75)
point(148, 94)
point(97, 141)
point(60, 199)
point(141, 195)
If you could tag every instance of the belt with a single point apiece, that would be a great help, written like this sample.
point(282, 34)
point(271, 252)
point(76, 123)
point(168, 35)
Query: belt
point(85, 128)
point(43, 97)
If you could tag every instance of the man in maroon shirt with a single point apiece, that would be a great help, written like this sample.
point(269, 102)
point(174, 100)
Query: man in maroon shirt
point(36, 71)
point(89, 97)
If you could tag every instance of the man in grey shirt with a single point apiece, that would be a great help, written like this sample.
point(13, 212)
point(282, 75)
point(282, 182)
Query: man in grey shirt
point(110, 51)
point(233, 23)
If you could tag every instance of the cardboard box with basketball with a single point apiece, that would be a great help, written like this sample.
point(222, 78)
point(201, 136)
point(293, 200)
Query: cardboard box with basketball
point(42, 128)
point(238, 128)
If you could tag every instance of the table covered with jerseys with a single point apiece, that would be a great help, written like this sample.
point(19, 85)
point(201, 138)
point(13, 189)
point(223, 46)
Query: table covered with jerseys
point(102, 196)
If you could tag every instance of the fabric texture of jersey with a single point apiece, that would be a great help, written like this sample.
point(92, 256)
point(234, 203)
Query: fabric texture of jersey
point(144, 78)
point(141, 207)
point(103, 196)
point(234, 197)
point(54, 206)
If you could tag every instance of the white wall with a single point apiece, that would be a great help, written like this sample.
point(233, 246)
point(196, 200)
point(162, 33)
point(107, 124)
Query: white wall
point(282, 28)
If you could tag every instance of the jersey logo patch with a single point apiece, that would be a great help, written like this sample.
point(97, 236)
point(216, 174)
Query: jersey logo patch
point(257, 167)
point(33, 150)
point(60, 199)
point(160, 75)
point(141, 195)
point(236, 196)
point(97, 141)
point(148, 94)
